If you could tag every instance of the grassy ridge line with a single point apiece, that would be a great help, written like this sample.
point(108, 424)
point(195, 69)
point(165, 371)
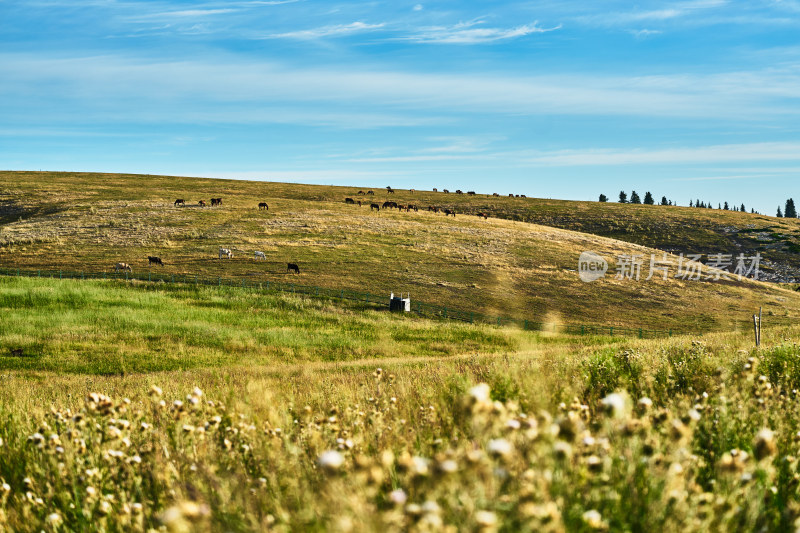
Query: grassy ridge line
point(417, 307)
point(494, 267)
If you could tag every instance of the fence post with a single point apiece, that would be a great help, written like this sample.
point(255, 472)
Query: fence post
point(670, 333)
point(640, 333)
point(582, 329)
point(611, 331)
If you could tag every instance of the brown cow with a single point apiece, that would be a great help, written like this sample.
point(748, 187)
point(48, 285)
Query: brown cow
point(264, 206)
point(449, 212)
point(201, 203)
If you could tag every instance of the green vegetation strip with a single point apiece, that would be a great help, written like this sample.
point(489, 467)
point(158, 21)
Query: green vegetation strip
point(420, 308)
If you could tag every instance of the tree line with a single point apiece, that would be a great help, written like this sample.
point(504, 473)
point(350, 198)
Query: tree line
point(789, 210)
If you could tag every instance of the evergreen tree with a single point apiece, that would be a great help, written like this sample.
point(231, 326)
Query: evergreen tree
point(743, 209)
point(648, 198)
point(790, 211)
point(726, 207)
point(664, 201)
point(623, 197)
point(603, 198)
point(780, 214)
point(690, 204)
point(719, 206)
point(752, 210)
point(698, 203)
point(635, 198)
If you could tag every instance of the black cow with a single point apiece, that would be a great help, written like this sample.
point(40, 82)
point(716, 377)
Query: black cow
point(292, 266)
point(152, 259)
point(264, 206)
point(376, 207)
point(349, 201)
point(180, 201)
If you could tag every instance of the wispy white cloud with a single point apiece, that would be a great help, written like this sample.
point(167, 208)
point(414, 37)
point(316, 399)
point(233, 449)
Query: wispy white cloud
point(726, 153)
point(116, 81)
point(338, 30)
point(470, 33)
point(644, 33)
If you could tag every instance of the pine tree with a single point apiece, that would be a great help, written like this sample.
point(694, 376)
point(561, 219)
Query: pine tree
point(743, 209)
point(690, 204)
point(635, 198)
point(753, 210)
point(726, 207)
point(664, 201)
point(623, 197)
point(603, 198)
point(790, 211)
point(780, 214)
point(648, 198)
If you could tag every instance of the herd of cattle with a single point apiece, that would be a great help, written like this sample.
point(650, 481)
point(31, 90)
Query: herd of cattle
point(226, 253)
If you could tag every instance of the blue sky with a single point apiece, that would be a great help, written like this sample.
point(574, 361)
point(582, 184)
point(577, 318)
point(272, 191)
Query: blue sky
point(561, 99)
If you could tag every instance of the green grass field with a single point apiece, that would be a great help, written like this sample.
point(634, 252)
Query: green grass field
point(288, 414)
point(504, 267)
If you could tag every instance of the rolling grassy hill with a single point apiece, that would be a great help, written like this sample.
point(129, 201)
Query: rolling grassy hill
point(500, 266)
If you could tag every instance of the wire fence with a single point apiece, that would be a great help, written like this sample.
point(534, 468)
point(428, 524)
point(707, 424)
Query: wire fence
point(420, 308)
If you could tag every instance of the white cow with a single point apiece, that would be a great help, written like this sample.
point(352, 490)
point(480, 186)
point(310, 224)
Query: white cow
point(225, 252)
point(122, 266)
point(260, 255)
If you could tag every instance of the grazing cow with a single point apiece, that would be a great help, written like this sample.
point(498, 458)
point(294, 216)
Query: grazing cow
point(484, 215)
point(16, 352)
point(152, 259)
point(433, 208)
point(260, 255)
point(292, 266)
point(511, 195)
point(495, 194)
point(349, 201)
point(411, 191)
point(201, 203)
point(413, 206)
point(359, 203)
point(360, 192)
point(471, 192)
point(445, 191)
point(180, 201)
point(522, 196)
point(376, 207)
point(216, 201)
point(517, 195)
point(459, 191)
point(264, 206)
point(370, 192)
point(435, 189)
point(402, 207)
point(389, 190)
point(389, 205)
point(225, 252)
point(123, 266)
point(449, 212)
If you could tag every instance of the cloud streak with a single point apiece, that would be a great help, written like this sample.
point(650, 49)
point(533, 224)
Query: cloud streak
point(469, 33)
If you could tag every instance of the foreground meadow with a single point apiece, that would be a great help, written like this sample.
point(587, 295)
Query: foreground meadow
point(537, 433)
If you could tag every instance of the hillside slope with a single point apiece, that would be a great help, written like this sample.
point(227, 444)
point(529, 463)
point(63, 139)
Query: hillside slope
point(89, 222)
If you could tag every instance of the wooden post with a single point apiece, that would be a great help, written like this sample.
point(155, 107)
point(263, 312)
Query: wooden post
point(759, 325)
point(755, 329)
